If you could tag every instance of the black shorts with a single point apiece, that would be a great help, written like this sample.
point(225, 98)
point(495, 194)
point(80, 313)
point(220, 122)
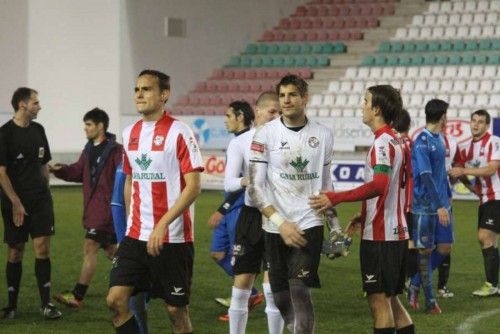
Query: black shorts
point(104, 239)
point(287, 263)
point(39, 221)
point(248, 248)
point(168, 276)
point(409, 223)
point(489, 216)
point(383, 266)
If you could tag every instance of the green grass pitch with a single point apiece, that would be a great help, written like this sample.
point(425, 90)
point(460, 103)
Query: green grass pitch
point(339, 304)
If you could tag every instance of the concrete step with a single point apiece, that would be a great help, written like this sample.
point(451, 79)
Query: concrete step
point(380, 35)
point(329, 73)
point(318, 86)
point(395, 21)
point(363, 48)
point(411, 8)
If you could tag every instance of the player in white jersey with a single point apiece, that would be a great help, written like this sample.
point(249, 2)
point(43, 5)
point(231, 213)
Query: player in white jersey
point(290, 160)
point(481, 156)
point(384, 241)
point(163, 164)
point(249, 252)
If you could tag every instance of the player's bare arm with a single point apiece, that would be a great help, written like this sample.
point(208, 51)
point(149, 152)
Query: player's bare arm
point(489, 170)
point(18, 211)
point(187, 197)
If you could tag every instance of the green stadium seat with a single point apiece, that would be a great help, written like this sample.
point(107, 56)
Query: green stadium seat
point(268, 61)
point(289, 61)
point(493, 59)
point(485, 44)
point(323, 61)
point(294, 48)
point(251, 49)
point(397, 47)
point(384, 47)
point(262, 48)
point(421, 46)
point(404, 60)
point(458, 46)
point(311, 61)
point(416, 60)
point(446, 46)
point(257, 61)
point(272, 49)
point(392, 60)
point(234, 61)
point(306, 48)
point(328, 48)
point(481, 59)
point(429, 59)
point(380, 60)
point(495, 45)
point(278, 61)
point(245, 61)
point(300, 61)
point(368, 61)
point(284, 48)
point(454, 59)
point(469, 59)
point(442, 60)
point(317, 48)
point(340, 47)
point(409, 47)
point(434, 46)
point(471, 46)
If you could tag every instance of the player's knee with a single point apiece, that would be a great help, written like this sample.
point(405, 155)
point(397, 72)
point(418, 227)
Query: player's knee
point(15, 253)
point(116, 302)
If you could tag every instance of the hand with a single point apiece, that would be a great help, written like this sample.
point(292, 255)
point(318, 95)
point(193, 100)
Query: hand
point(244, 181)
point(214, 220)
point(354, 225)
point(18, 213)
point(55, 168)
point(292, 235)
point(456, 171)
point(443, 216)
point(320, 202)
point(156, 239)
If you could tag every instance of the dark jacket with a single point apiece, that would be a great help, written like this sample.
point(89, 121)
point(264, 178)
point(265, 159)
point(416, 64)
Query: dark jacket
point(97, 197)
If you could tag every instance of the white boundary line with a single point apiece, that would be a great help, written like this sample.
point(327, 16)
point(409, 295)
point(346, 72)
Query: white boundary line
point(467, 326)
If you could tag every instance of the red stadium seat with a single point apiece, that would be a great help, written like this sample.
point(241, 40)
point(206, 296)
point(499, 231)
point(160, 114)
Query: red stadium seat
point(267, 36)
point(200, 87)
point(228, 73)
point(318, 22)
point(233, 86)
point(295, 23)
point(284, 24)
point(239, 74)
point(217, 74)
point(221, 86)
point(300, 11)
point(250, 74)
point(211, 86)
point(306, 24)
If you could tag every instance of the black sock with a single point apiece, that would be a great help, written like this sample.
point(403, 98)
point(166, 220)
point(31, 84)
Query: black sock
point(412, 262)
point(79, 291)
point(42, 273)
point(128, 327)
point(491, 263)
point(13, 271)
point(388, 330)
point(406, 330)
point(444, 271)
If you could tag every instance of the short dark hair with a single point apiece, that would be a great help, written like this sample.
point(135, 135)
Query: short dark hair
point(243, 107)
point(21, 94)
point(97, 115)
point(266, 96)
point(402, 122)
point(434, 110)
point(482, 112)
point(163, 79)
point(292, 79)
point(388, 100)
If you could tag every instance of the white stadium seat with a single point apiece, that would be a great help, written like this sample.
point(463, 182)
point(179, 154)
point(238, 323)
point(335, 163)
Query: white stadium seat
point(333, 86)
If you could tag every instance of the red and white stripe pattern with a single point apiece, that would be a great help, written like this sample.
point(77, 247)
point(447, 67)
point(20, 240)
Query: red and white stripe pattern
point(479, 153)
point(385, 214)
point(157, 156)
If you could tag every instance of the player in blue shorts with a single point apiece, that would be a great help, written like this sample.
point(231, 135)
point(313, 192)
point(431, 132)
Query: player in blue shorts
point(137, 302)
point(432, 223)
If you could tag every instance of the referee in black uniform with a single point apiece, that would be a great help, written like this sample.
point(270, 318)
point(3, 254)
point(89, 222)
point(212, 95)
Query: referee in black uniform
point(26, 201)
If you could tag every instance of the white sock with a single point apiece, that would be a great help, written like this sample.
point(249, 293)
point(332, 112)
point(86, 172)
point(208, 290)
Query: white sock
point(238, 311)
point(275, 322)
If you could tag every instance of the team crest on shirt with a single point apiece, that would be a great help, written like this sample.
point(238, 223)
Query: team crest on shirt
point(158, 140)
point(143, 162)
point(41, 152)
point(313, 142)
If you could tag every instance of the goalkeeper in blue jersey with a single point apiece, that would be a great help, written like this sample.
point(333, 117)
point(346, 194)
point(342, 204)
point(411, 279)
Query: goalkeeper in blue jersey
point(432, 223)
point(137, 303)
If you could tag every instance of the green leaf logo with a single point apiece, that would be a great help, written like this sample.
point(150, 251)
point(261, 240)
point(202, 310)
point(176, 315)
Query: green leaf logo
point(299, 165)
point(143, 162)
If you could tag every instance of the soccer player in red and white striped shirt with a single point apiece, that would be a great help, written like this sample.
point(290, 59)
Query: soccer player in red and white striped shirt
point(481, 156)
point(162, 162)
point(384, 241)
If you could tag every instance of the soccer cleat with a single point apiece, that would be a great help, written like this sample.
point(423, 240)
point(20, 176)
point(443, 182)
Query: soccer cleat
point(445, 293)
point(67, 298)
point(50, 312)
point(224, 317)
point(486, 290)
point(226, 302)
point(255, 300)
point(9, 312)
point(433, 309)
point(413, 297)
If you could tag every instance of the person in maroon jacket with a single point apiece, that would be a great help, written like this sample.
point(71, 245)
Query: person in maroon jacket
point(95, 169)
